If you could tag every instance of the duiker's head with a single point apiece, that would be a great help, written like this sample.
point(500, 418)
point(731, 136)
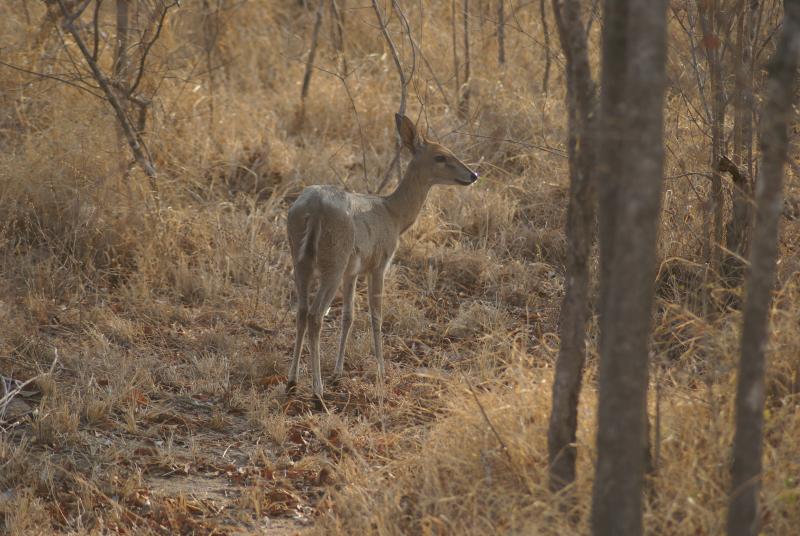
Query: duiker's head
point(441, 166)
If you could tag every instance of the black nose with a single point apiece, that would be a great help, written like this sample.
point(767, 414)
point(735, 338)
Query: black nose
point(473, 176)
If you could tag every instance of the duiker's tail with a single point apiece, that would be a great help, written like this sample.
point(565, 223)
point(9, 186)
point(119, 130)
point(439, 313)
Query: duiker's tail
point(310, 242)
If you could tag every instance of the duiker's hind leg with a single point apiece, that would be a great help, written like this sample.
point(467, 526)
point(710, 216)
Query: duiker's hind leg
point(329, 282)
point(302, 280)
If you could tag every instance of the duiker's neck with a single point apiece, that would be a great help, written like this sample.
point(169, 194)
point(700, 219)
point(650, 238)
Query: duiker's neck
point(405, 203)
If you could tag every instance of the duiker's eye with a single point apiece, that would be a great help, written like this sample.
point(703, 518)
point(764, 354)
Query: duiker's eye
point(440, 158)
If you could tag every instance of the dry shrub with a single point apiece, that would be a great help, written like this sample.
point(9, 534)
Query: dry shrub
point(783, 374)
point(475, 319)
point(529, 286)
point(543, 245)
point(458, 479)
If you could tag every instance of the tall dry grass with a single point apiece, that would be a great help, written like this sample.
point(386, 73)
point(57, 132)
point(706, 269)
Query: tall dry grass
point(172, 321)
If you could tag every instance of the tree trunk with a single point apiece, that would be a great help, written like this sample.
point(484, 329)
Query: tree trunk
point(747, 446)
point(710, 17)
point(312, 53)
point(337, 33)
point(121, 48)
point(546, 34)
point(120, 78)
point(634, 80)
point(501, 32)
point(463, 103)
point(737, 239)
point(454, 35)
point(581, 105)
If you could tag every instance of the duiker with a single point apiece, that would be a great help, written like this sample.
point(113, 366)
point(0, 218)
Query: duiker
point(338, 236)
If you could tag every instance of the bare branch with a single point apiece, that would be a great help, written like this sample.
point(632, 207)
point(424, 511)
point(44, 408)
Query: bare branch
point(404, 80)
point(395, 57)
point(53, 77)
point(79, 11)
point(150, 44)
point(137, 146)
point(96, 24)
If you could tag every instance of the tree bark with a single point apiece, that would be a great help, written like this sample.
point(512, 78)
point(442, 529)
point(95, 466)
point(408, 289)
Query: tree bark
point(463, 103)
point(546, 34)
point(501, 32)
point(120, 78)
point(312, 52)
point(747, 447)
point(634, 80)
point(337, 33)
point(121, 48)
point(454, 35)
point(709, 11)
point(581, 96)
point(737, 231)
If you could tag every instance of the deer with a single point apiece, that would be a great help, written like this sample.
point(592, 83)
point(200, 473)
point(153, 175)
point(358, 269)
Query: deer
point(338, 236)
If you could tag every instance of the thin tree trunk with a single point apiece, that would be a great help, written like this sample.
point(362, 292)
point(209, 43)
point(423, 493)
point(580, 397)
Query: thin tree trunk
point(404, 80)
point(121, 49)
point(120, 77)
point(581, 95)
point(210, 32)
point(738, 227)
point(634, 54)
point(501, 32)
point(546, 33)
point(710, 20)
point(463, 105)
point(337, 29)
point(747, 447)
point(456, 67)
point(312, 52)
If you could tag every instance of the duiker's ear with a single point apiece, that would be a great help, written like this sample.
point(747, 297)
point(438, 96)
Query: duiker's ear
point(408, 133)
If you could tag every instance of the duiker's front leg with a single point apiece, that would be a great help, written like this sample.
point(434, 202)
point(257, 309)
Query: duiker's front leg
point(376, 314)
point(348, 295)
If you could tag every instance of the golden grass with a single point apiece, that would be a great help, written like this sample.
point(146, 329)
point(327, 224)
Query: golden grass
point(173, 324)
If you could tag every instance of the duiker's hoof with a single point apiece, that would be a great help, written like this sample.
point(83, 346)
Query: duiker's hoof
point(291, 388)
point(319, 404)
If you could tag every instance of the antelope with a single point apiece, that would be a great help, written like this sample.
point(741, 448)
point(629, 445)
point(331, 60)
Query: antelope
point(338, 236)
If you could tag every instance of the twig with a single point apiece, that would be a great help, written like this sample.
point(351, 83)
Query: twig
point(7, 396)
point(503, 445)
point(543, 148)
point(149, 45)
point(399, 66)
point(388, 172)
point(343, 79)
point(46, 76)
point(708, 176)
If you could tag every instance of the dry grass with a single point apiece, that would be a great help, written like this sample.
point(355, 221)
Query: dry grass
point(173, 326)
